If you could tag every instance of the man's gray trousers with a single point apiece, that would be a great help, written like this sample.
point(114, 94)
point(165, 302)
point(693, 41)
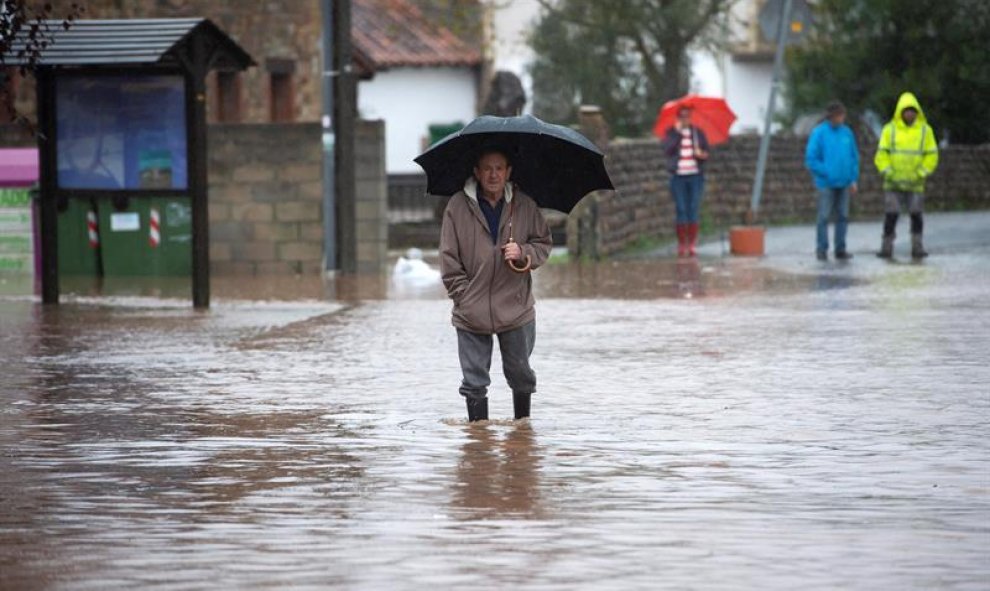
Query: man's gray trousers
point(475, 352)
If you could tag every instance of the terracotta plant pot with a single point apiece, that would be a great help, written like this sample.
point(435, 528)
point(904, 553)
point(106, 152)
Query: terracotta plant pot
point(746, 240)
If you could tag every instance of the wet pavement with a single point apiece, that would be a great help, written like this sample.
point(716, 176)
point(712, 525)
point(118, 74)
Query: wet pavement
point(725, 423)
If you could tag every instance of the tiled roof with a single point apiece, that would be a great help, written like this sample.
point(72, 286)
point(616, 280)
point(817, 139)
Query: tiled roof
point(391, 33)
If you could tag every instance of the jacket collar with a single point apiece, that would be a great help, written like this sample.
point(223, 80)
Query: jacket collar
point(471, 190)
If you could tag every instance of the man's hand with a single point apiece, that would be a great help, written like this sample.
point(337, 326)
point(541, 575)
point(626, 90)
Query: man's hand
point(511, 251)
point(853, 188)
point(701, 154)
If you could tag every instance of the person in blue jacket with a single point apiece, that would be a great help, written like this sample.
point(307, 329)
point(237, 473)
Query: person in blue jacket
point(833, 159)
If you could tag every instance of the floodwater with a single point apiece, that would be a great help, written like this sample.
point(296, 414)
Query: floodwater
point(722, 425)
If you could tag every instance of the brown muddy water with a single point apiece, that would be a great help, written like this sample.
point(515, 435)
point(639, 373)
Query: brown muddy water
point(703, 426)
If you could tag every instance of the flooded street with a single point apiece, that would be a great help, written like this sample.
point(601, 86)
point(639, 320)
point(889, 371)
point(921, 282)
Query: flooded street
point(728, 424)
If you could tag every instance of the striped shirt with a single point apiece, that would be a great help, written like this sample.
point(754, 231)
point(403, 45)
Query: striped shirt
point(686, 162)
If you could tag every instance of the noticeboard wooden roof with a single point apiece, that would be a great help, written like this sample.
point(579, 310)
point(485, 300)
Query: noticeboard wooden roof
point(126, 42)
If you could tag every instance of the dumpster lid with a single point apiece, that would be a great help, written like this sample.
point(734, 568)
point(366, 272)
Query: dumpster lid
point(18, 167)
point(129, 42)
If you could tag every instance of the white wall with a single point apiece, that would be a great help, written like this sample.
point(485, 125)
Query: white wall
point(511, 22)
point(747, 90)
point(744, 85)
point(411, 99)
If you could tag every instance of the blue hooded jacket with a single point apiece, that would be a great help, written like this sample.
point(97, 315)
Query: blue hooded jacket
point(832, 156)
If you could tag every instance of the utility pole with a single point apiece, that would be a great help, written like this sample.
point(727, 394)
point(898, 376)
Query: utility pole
point(328, 141)
point(345, 114)
point(778, 61)
point(339, 112)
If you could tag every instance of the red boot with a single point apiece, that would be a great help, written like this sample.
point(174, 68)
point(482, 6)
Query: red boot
point(692, 238)
point(682, 240)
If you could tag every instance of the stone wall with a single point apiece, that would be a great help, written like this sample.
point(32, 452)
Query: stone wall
point(266, 195)
point(266, 198)
point(371, 197)
point(641, 208)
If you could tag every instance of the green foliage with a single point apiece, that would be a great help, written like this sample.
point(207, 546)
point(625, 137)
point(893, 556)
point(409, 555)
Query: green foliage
point(867, 52)
point(627, 57)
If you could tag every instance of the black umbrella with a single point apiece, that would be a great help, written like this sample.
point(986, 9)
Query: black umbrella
point(554, 165)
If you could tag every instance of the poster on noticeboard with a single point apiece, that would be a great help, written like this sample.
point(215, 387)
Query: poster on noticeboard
point(121, 131)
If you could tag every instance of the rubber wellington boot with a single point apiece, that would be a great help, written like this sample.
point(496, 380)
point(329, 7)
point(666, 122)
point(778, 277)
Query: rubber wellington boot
point(520, 403)
point(917, 248)
point(477, 409)
point(692, 235)
point(682, 240)
point(886, 247)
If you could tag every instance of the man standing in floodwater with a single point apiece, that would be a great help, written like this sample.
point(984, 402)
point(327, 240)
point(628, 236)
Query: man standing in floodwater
point(493, 236)
point(833, 159)
point(906, 156)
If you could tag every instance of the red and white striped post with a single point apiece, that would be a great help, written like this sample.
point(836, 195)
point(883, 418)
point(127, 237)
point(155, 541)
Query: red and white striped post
point(154, 235)
point(92, 229)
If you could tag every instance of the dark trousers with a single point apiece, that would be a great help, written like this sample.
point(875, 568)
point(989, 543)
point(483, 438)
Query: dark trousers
point(687, 191)
point(475, 352)
point(830, 200)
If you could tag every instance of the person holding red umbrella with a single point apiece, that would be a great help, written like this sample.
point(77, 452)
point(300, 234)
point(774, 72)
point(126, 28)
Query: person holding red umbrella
point(687, 127)
point(686, 148)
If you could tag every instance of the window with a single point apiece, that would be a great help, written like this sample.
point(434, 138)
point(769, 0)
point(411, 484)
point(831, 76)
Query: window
point(282, 105)
point(228, 97)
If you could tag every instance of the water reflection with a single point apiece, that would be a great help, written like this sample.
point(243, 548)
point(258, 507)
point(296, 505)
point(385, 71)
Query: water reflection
point(498, 477)
point(689, 283)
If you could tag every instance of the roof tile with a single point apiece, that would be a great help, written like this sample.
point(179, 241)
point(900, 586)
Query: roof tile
point(391, 33)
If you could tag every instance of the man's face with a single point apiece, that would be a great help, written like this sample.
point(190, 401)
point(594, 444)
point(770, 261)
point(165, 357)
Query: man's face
point(837, 119)
point(909, 115)
point(684, 115)
point(492, 172)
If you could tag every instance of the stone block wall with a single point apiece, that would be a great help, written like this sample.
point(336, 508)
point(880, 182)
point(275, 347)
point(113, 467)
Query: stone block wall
point(266, 198)
point(641, 207)
point(371, 197)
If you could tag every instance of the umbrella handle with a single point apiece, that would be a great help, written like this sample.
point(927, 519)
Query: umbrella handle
point(523, 268)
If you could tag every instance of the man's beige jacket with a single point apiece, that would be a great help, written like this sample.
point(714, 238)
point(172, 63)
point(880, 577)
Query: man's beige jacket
point(489, 297)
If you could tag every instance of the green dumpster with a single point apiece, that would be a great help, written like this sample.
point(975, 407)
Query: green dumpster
point(151, 236)
point(78, 239)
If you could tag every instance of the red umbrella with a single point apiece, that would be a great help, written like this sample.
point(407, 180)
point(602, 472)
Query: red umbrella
point(709, 114)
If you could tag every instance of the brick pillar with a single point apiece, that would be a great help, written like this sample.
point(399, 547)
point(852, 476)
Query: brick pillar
point(371, 198)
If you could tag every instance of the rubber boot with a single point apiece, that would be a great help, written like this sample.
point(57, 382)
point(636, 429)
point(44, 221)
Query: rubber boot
point(889, 226)
point(477, 409)
point(682, 240)
point(917, 247)
point(692, 239)
point(886, 247)
point(520, 404)
point(917, 227)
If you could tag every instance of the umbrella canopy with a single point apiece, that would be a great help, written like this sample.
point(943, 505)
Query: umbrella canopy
point(711, 115)
point(554, 165)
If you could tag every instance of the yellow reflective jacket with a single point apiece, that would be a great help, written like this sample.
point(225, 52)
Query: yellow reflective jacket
point(907, 154)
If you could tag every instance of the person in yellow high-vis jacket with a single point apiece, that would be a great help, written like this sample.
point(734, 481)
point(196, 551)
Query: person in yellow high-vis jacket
point(906, 156)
